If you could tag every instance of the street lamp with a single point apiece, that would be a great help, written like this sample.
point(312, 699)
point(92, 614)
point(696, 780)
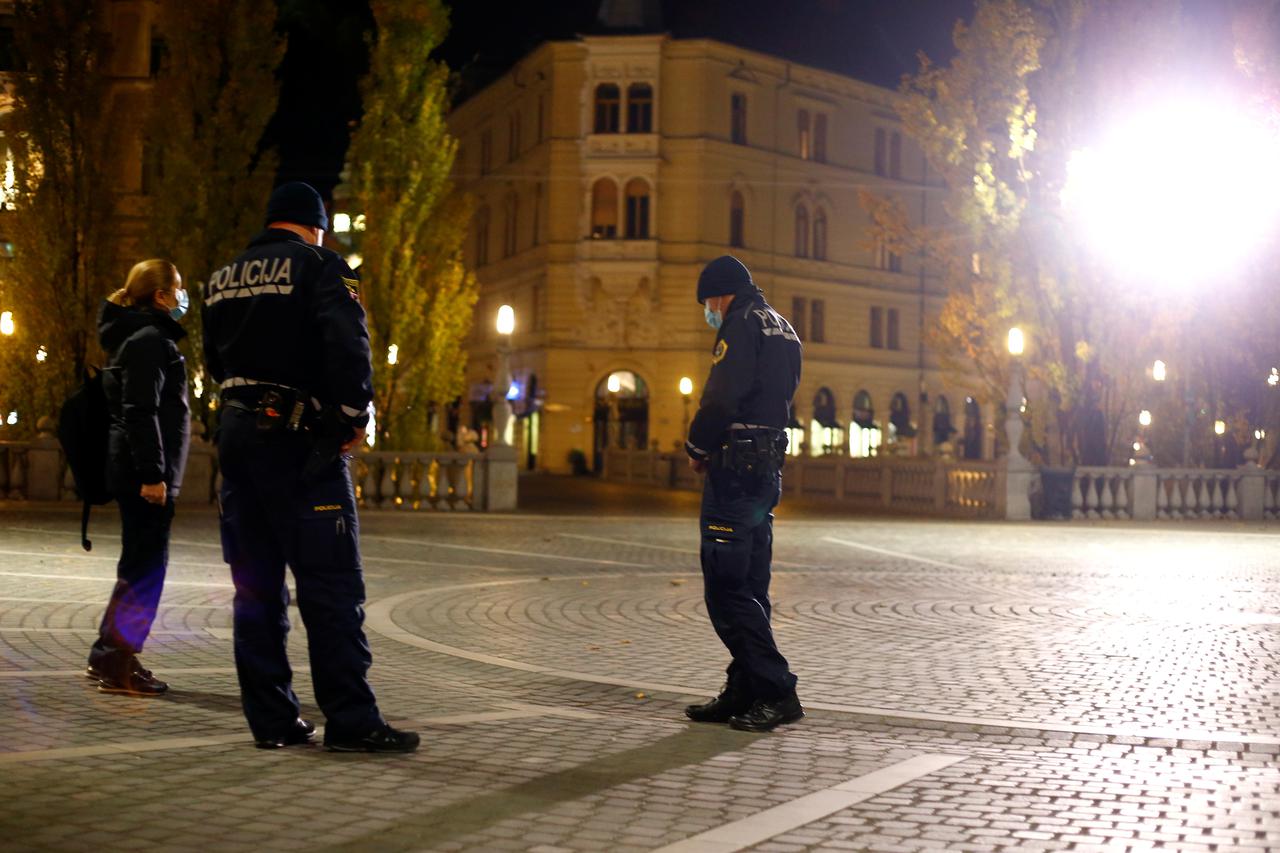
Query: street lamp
point(1158, 370)
point(1016, 344)
point(1144, 418)
point(686, 390)
point(506, 325)
point(6, 322)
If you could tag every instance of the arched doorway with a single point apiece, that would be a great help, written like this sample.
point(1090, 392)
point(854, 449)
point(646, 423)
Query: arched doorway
point(621, 415)
point(527, 408)
point(864, 432)
point(972, 429)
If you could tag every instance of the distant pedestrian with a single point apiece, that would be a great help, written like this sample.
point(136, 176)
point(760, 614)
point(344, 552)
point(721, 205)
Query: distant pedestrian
point(737, 440)
point(285, 335)
point(145, 383)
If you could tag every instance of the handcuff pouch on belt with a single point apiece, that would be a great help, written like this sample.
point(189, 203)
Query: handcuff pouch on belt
point(756, 453)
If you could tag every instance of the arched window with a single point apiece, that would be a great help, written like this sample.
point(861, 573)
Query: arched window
point(604, 209)
point(900, 425)
point(802, 231)
point(864, 432)
point(820, 234)
point(608, 108)
point(637, 194)
point(737, 219)
point(482, 236)
point(942, 428)
point(639, 108)
point(510, 227)
point(826, 435)
point(972, 429)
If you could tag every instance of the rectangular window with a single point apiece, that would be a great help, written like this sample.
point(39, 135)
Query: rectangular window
point(486, 151)
point(817, 321)
point(877, 327)
point(797, 315)
point(805, 140)
point(542, 117)
point(881, 152)
point(639, 108)
point(159, 54)
point(892, 333)
point(738, 121)
point(820, 137)
point(895, 156)
point(513, 137)
point(537, 213)
point(8, 52)
point(536, 322)
point(895, 262)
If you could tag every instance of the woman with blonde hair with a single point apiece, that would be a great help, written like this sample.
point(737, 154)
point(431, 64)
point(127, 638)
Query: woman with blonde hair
point(146, 387)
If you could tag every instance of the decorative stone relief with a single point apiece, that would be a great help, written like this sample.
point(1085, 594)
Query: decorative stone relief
point(620, 308)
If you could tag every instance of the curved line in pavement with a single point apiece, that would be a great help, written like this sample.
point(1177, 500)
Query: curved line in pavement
point(378, 619)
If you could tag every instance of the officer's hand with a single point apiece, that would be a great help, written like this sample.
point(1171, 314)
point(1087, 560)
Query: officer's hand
point(354, 441)
point(155, 493)
point(699, 466)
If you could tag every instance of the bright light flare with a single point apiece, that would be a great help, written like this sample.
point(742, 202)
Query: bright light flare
point(615, 383)
point(41, 355)
point(1219, 427)
point(393, 354)
point(341, 223)
point(506, 320)
point(686, 386)
point(1180, 192)
point(6, 323)
point(1159, 371)
point(1144, 418)
point(1273, 378)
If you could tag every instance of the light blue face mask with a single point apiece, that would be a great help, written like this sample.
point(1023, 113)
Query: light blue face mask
point(178, 311)
point(714, 318)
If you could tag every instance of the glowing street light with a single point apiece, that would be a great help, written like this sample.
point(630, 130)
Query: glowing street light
point(6, 323)
point(341, 223)
point(614, 384)
point(1017, 341)
point(1158, 371)
point(505, 323)
point(393, 354)
point(1144, 418)
point(1274, 378)
point(1220, 427)
point(686, 386)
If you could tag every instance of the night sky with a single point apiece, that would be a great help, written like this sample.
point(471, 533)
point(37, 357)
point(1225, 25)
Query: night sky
point(874, 40)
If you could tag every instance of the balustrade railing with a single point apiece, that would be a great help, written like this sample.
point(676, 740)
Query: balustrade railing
point(433, 481)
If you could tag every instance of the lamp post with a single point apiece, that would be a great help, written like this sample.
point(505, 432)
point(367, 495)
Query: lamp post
point(1159, 371)
point(1013, 404)
point(686, 390)
point(506, 324)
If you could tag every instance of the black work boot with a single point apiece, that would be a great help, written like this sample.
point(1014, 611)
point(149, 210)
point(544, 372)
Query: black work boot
point(384, 738)
point(721, 708)
point(767, 715)
point(302, 731)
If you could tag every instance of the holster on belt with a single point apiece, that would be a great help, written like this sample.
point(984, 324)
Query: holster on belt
point(278, 409)
point(752, 453)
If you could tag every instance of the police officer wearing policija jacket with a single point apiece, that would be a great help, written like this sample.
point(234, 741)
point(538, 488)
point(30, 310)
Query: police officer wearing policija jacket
point(285, 335)
point(737, 440)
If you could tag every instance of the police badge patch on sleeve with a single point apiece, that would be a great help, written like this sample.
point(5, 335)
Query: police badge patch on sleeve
point(717, 355)
point(353, 286)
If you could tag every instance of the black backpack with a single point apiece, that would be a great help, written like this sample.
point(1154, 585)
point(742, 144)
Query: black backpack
point(83, 426)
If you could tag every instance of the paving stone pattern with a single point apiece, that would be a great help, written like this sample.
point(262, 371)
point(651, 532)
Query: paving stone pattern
point(1099, 688)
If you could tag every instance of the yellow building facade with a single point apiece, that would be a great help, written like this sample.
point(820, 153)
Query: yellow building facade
point(608, 170)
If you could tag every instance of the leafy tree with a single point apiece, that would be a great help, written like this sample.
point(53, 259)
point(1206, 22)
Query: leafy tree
point(67, 136)
point(418, 293)
point(208, 177)
point(1030, 81)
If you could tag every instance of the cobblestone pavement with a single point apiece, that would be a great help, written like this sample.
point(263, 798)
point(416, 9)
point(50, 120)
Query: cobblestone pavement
point(971, 687)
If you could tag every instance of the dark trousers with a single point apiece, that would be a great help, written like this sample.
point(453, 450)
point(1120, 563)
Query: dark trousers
point(269, 520)
point(131, 611)
point(737, 549)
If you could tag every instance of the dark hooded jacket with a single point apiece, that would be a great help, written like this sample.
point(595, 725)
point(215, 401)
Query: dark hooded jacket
point(146, 387)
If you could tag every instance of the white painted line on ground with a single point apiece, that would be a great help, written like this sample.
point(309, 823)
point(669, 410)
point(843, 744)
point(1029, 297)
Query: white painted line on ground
point(512, 711)
point(75, 537)
point(111, 579)
point(75, 555)
point(425, 544)
point(889, 553)
point(378, 620)
point(168, 671)
point(741, 834)
point(693, 551)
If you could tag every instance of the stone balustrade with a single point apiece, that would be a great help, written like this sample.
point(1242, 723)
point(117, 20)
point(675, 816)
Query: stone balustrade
point(37, 470)
point(934, 486)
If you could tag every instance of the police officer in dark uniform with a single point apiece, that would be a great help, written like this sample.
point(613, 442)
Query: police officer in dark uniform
point(737, 440)
point(285, 335)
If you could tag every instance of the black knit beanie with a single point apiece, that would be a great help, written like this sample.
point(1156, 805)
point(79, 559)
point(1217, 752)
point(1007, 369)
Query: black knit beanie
point(726, 274)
